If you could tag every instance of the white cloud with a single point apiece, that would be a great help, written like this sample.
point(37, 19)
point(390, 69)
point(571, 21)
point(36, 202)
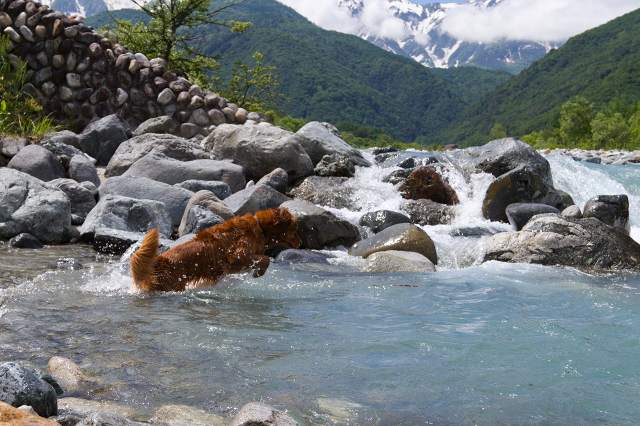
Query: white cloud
point(540, 20)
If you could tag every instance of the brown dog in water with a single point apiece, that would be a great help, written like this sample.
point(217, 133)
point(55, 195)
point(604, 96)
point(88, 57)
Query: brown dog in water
point(236, 245)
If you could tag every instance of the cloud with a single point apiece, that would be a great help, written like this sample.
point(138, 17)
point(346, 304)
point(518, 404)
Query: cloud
point(540, 20)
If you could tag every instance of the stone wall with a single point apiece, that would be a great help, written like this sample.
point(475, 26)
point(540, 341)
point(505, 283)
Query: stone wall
point(78, 74)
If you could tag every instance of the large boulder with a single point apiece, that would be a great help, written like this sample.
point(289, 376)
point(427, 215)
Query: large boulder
point(319, 228)
point(521, 185)
point(398, 261)
point(427, 212)
point(520, 213)
point(382, 219)
point(102, 138)
point(164, 169)
point(82, 199)
point(20, 385)
point(259, 414)
point(175, 199)
point(83, 169)
point(29, 205)
point(554, 240)
point(260, 149)
point(426, 183)
point(320, 139)
point(38, 162)
point(610, 209)
point(255, 198)
point(402, 237)
point(332, 192)
point(135, 148)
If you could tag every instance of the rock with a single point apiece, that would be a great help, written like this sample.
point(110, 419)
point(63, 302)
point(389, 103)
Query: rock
point(189, 130)
point(167, 170)
point(402, 237)
point(384, 150)
point(408, 163)
point(86, 408)
point(20, 385)
point(102, 138)
point(219, 188)
point(519, 214)
point(67, 373)
point(610, 209)
point(25, 241)
point(397, 176)
point(260, 150)
point(82, 169)
point(114, 241)
point(12, 416)
point(107, 419)
point(168, 145)
point(332, 192)
point(209, 201)
point(163, 124)
point(301, 256)
point(82, 199)
point(335, 165)
point(278, 179)
point(182, 415)
point(572, 212)
point(553, 240)
point(382, 219)
point(11, 145)
point(427, 212)
point(255, 198)
point(259, 414)
point(29, 205)
point(320, 139)
point(126, 214)
point(398, 261)
point(319, 228)
point(175, 199)
point(521, 185)
point(426, 183)
point(196, 219)
point(340, 411)
point(38, 162)
point(63, 152)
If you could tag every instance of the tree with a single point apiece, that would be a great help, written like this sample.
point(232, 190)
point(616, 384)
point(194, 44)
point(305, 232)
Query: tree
point(575, 121)
point(634, 129)
point(610, 131)
point(253, 87)
point(498, 131)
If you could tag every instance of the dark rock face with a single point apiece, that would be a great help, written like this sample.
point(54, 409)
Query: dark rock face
point(397, 176)
point(320, 139)
point(427, 212)
point(302, 256)
point(553, 240)
point(325, 191)
point(102, 138)
point(255, 198)
point(520, 213)
point(402, 237)
point(426, 183)
point(25, 241)
point(20, 385)
point(319, 228)
point(38, 162)
point(610, 209)
point(382, 219)
point(335, 165)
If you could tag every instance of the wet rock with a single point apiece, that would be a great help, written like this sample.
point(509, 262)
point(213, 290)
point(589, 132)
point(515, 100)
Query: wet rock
point(402, 237)
point(382, 219)
point(319, 228)
point(427, 212)
point(408, 163)
point(335, 165)
point(181, 415)
point(553, 240)
point(82, 199)
point(67, 373)
point(302, 256)
point(277, 179)
point(168, 145)
point(102, 138)
point(11, 145)
point(20, 385)
point(519, 214)
point(397, 176)
point(320, 139)
point(340, 411)
point(174, 199)
point(37, 162)
point(82, 169)
point(610, 209)
point(325, 191)
point(107, 419)
point(384, 150)
point(85, 408)
point(425, 182)
point(219, 188)
point(196, 219)
point(259, 414)
point(13, 416)
point(255, 198)
point(260, 149)
point(572, 212)
point(25, 241)
point(29, 205)
point(398, 261)
point(163, 125)
point(114, 241)
point(475, 231)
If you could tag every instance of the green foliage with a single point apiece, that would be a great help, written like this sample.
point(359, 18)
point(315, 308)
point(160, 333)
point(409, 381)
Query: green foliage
point(498, 131)
point(369, 137)
point(253, 87)
point(610, 131)
point(575, 121)
point(20, 113)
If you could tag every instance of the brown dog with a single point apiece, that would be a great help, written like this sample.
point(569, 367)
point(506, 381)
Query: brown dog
point(236, 245)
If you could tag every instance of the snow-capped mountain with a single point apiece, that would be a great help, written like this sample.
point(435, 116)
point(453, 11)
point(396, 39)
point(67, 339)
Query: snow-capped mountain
point(88, 7)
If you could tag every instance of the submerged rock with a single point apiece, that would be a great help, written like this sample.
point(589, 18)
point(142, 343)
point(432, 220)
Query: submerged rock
point(382, 219)
point(402, 237)
point(320, 139)
point(38, 162)
point(259, 414)
point(25, 241)
point(398, 261)
point(326, 191)
point(425, 182)
point(20, 385)
point(520, 213)
point(182, 415)
point(610, 209)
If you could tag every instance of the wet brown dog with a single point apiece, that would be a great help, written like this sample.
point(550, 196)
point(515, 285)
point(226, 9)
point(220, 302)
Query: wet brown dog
point(236, 245)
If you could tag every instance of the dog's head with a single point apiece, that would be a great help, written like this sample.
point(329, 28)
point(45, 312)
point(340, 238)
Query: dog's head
point(279, 227)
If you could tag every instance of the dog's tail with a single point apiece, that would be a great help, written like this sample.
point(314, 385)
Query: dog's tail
point(143, 261)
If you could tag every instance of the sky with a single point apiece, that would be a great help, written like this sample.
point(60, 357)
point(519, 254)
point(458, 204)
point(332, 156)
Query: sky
point(539, 20)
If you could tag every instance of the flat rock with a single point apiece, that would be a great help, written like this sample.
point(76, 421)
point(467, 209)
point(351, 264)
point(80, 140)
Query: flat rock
point(402, 237)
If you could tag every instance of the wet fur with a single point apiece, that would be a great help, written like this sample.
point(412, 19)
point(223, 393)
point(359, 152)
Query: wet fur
point(236, 245)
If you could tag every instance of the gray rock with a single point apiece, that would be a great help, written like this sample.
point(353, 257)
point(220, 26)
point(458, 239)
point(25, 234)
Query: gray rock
point(189, 130)
point(163, 124)
point(335, 165)
point(219, 188)
point(29, 205)
point(114, 241)
point(196, 219)
point(20, 385)
point(166, 97)
point(11, 145)
point(25, 241)
point(397, 176)
point(182, 415)
point(520, 213)
point(319, 228)
point(82, 169)
point(37, 162)
point(332, 192)
point(84, 408)
point(102, 138)
point(260, 150)
point(427, 212)
point(259, 414)
point(62, 151)
point(572, 212)
point(278, 179)
point(402, 237)
point(320, 139)
point(587, 244)
point(135, 148)
point(255, 198)
point(302, 256)
point(382, 219)
point(164, 169)
point(107, 419)
point(82, 199)
point(66, 373)
point(209, 201)
point(398, 261)
point(610, 209)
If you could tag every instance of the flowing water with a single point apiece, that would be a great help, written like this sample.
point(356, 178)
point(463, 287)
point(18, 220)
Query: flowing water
point(470, 344)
